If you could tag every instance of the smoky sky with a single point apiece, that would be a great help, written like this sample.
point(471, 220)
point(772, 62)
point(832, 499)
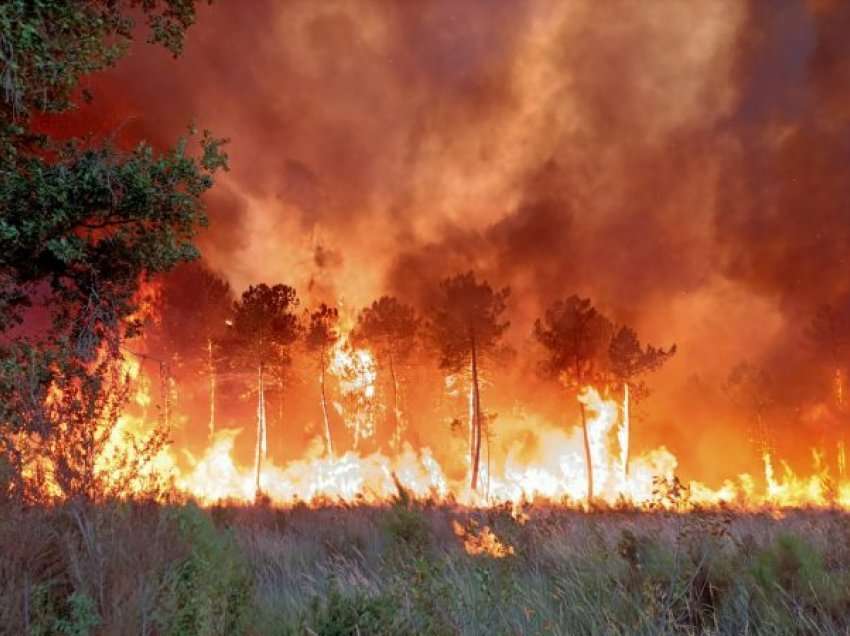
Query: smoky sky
point(683, 164)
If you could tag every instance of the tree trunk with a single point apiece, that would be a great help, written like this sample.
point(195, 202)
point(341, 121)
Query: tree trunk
point(211, 372)
point(280, 404)
point(396, 439)
point(587, 456)
point(471, 440)
point(487, 490)
point(356, 441)
point(165, 393)
point(328, 440)
point(476, 413)
point(839, 386)
point(626, 430)
point(261, 449)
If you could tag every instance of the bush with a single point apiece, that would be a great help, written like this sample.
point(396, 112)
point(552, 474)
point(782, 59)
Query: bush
point(341, 615)
point(208, 592)
point(76, 617)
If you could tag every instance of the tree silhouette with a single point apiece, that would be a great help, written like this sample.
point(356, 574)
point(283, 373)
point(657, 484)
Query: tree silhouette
point(263, 327)
point(465, 326)
point(196, 305)
point(628, 361)
point(389, 328)
point(829, 333)
point(576, 337)
point(750, 388)
point(322, 335)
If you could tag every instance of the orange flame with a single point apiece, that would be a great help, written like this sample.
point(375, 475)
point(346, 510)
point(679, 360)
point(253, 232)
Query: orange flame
point(556, 472)
point(481, 542)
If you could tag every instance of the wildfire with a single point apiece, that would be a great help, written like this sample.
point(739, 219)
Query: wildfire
point(482, 541)
point(556, 473)
point(356, 372)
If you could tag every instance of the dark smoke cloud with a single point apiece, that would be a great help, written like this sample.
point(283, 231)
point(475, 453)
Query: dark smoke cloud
point(684, 164)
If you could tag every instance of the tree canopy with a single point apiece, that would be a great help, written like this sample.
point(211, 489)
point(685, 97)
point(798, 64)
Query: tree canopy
point(467, 316)
point(264, 324)
point(48, 46)
point(388, 326)
point(576, 338)
point(629, 360)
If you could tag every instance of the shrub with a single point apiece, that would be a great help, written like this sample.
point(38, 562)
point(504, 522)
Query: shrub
point(209, 591)
point(790, 564)
point(352, 615)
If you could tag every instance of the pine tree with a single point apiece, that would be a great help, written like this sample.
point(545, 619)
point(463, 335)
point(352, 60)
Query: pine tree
point(466, 326)
point(264, 326)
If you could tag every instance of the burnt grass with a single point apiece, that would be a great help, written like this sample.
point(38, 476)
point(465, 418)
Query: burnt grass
point(145, 568)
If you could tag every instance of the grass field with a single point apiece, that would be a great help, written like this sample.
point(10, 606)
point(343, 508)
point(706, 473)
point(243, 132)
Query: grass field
point(119, 568)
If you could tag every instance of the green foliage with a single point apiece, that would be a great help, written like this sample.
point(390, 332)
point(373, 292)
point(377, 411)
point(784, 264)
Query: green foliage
point(76, 616)
point(350, 615)
point(47, 46)
point(790, 565)
point(406, 527)
point(89, 223)
point(209, 592)
point(83, 619)
point(82, 224)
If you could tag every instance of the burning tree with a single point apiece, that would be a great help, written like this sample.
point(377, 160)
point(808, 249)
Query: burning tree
point(750, 388)
point(576, 337)
point(466, 326)
point(89, 453)
point(628, 361)
point(829, 333)
point(263, 327)
point(81, 224)
point(195, 306)
point(389, 328)
point(322, 335)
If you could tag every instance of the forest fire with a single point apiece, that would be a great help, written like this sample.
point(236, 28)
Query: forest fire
point(556, 476)
point(439, 317)
point(461, 391)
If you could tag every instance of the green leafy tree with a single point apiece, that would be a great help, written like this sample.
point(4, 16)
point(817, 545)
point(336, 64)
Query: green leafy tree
point(263, 328)
point(576, 338)
point(81, 223)
point(389, 328)
point(629, 362)
point(322, 335)
point(48, 46)
point(465, 326)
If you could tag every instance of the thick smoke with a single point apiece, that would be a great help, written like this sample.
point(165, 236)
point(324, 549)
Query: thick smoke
point(683, 164)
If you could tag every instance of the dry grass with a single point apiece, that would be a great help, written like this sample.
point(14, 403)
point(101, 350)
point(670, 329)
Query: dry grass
point(146, 569)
